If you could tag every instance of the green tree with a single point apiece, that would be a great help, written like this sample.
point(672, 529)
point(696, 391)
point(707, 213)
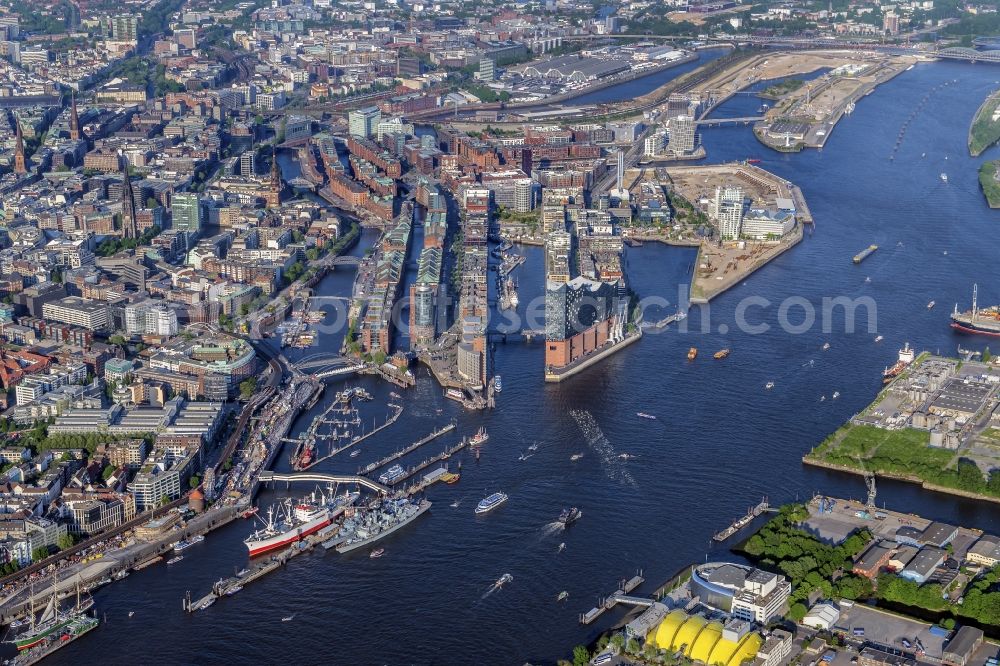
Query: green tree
point(66, 541)
point(248, 387)
point(987, 356)
point(194, 481)
point(108, 471)
point(39, 554)
point(797, 611)
point(581, 656)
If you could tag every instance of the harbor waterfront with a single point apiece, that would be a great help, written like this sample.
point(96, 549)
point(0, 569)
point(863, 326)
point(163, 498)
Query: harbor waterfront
point(720, 439)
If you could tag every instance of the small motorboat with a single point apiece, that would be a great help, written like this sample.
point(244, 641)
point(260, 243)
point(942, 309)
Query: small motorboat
point(533, 447)
point(569, 516)
point(822, 398)
point(879, 338)
point(288, 618)
point(769, 385)
point(562, 547)
point(377, 553)
point(826, 345)
point(503, 580)
point(836, 394)
point(575, 457)
point(625, 456)
point(175, 560)
point(563, 596)
point(930, 305)
point(692, 353)
point(131, 613)
point(868, 280)
point(355, 453)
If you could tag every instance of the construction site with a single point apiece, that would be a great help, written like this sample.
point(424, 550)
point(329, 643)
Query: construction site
point(805, 117)
point(723, 264)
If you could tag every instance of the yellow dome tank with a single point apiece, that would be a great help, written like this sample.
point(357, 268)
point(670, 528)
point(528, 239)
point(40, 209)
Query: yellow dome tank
point(688, 634)
point(665, 632)
point(706, 641)
point(747, 650)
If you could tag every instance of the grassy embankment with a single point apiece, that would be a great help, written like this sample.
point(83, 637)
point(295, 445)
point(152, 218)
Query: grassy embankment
point(904, 454)
point(984, 131)
point(989, 184)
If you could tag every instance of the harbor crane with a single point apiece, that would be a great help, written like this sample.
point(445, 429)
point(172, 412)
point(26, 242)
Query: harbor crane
point(872, 490)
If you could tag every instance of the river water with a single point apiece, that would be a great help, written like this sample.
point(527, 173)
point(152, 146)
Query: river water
point(720, 442)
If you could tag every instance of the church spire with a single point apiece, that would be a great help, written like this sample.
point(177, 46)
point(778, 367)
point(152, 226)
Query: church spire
point(128, 203)
point(275, 173)
point(74, 120)
point(19, 164)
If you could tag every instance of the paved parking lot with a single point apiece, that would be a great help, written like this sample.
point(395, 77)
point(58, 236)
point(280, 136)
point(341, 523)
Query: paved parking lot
point(887, 629)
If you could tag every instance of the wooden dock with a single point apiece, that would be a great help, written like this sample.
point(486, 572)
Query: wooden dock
point(402, 452)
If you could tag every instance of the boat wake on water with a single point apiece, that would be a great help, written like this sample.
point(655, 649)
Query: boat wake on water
point(598, 442)
point(555, 527)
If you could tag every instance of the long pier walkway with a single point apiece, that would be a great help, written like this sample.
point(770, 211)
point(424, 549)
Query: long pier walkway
point(409, 449)
point(444, 455)
point(619, 596)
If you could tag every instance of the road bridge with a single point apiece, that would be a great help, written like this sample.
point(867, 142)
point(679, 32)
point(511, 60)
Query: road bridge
point(972, 55)
point(323, 360)
point(709, 122)
point(318, 477)
point(340, 372)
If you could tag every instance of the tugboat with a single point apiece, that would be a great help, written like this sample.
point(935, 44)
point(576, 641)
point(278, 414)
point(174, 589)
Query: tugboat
point(569, 516)
point(692, 353)
point(481, 437)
